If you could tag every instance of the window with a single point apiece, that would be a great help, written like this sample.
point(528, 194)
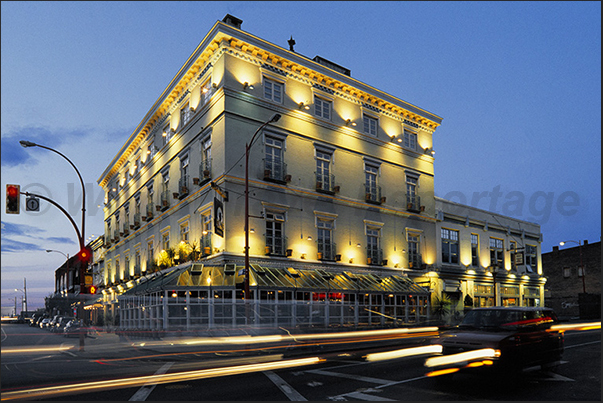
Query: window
point(373, 192)
point(150, 254)
point(167, 134)
point(450, 246)
point(531, 258)
point(497, 253)
point(474, 250)
point(206, 233)
point(206, 158)
point(410, 140)
point(567, 272)
point(414, 253)
point(273, 90)
point(275, 223)
point(322, 108)
point(373, 249)
point(323, 167)
point(326, 247)
point(185, 114)
point(274, 167)
point(137, 262)
point(370, 125)
point(165, 240)
point(184, 232)
point(184, 181)
point(412, 200)
point(513, 255)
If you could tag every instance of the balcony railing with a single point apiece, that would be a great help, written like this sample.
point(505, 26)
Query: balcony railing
point(276, 246)
point(116, 235)
point(204, 172)
point(136, 224)
point(326, 183)
point(373, 194)
point(205, 243)
point(150, 208)
point(125, 229)
point(415, 261)
point(165, 201)
point(374, 256)
point(183, 187)
point(276, 171)
point(413, 203)
point(326, 251)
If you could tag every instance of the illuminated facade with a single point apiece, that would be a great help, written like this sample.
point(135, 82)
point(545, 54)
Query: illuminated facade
point(342, 182)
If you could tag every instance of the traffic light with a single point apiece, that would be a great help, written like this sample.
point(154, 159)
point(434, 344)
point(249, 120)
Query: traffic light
point(84, 256)
point(13, 196)
point(89, 289)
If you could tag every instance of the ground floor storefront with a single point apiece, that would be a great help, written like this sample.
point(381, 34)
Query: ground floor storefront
point(198, 297)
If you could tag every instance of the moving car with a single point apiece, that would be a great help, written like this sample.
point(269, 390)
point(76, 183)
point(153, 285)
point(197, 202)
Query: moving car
point(503, 338)
point(74, 327)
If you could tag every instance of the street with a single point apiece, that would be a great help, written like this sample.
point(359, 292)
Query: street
point(334, 375)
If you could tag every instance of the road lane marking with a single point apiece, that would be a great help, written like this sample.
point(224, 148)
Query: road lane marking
point(367, 397)
point(291, 393)
point(146, 389)
point(351, 376)
point(584, 344)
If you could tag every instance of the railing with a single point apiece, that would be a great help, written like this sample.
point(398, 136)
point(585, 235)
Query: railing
point(275, 171)
point(326, 183)
point(415, 261)
point(116, 235)
point(374, 256)
point(276, 246)
point(413, 203)
point(136, 221)
point(326, 250)
point(165, 200)
point(125, 228)
point(150, 208)
point(373, 194)
point(205, 243)
point(204, 171)
point(183, 186)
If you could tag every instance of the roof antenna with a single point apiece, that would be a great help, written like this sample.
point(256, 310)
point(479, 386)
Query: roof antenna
point(291, 42)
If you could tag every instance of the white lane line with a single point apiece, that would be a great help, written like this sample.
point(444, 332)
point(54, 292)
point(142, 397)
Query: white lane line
point(291, 393)
point(364, 396)
point(146, 389)
point(584, 344)
point(351, 376)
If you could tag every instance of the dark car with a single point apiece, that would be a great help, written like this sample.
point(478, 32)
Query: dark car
point(507, 338)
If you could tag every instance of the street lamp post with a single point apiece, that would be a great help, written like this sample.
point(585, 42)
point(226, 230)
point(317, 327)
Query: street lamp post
point(24, 291)
point(579, 243)
point(274, 118)
point(82, 233)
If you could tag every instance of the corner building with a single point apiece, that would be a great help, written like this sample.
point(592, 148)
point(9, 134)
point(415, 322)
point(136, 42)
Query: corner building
point(342, 213)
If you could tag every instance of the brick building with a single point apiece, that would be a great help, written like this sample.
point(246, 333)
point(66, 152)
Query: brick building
point(568, 286)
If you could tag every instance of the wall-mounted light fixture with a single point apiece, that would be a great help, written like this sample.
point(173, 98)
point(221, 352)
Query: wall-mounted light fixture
point(309, 238)
point(247, 85)
point(303, 256)
point(429, 151)
point(350, 123)
point(252, 230)
point(351, 260)
point(304, 106)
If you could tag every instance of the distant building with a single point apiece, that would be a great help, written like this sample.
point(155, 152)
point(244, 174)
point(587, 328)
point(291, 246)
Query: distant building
point(570, 290)
point(344, 225)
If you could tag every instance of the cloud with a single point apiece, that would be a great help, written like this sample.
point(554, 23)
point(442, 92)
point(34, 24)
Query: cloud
point(13, 154)
point(11, 231)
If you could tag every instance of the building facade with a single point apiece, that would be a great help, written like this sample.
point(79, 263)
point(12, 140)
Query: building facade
point(342, 183)
point(574, 279)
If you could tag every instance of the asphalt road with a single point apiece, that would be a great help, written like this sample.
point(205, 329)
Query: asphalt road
point(342, 376)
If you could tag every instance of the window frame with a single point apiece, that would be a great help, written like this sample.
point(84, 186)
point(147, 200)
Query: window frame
point(319, 107)
point(367, 120)
point(269, 82)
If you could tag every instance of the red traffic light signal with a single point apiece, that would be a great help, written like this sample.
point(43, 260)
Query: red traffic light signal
point(92, 289)
point(84, 256)
point(13, 199)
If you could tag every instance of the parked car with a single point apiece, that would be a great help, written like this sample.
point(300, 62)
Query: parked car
point(504, 338)
point(60, 325)
point(53, 322)
point(74, 327)
point(44, 323)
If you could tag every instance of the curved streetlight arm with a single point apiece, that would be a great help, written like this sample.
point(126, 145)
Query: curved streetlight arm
point(26, 144)
point(57, 205)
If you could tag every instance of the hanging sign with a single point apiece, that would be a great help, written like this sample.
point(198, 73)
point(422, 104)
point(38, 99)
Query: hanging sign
point(218, 217)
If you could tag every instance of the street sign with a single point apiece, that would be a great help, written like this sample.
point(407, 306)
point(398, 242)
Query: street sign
point(32, 204)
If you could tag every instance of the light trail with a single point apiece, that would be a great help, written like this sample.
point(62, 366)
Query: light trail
point(95, 386)
point(405, 352)
point(462, 357)
point(35, 350)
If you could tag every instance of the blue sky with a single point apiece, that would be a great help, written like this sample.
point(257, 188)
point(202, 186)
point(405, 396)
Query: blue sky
point(518, 85)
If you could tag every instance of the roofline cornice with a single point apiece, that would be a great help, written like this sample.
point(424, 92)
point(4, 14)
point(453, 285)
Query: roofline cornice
point(223, 37)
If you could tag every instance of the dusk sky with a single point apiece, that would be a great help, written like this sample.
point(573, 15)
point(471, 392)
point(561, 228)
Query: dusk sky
point(518, 85)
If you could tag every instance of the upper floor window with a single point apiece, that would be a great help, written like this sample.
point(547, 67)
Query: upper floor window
point(273, 90)
point(370, 125)
point(273, 162)
point(323, 170)
point(497, 251)
point(372, 189)
point(474, 250)
point(322, 108)
point(167, 133)
point(184, 232)
point(373, 245)
point(275, 241)
point(414, 251)
point(531, 258)
point(185, 114)
point(410, 140)
point(326, 247)
point(450, 246)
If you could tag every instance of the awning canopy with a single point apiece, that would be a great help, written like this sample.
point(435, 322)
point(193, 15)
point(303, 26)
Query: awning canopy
point(231, 275)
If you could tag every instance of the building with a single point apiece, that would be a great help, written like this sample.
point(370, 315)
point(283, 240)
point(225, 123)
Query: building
point(341, 194)
point(574, 279)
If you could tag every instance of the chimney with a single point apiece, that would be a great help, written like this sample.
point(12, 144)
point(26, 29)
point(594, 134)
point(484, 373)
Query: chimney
point(232, 21)
point(585, 242)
